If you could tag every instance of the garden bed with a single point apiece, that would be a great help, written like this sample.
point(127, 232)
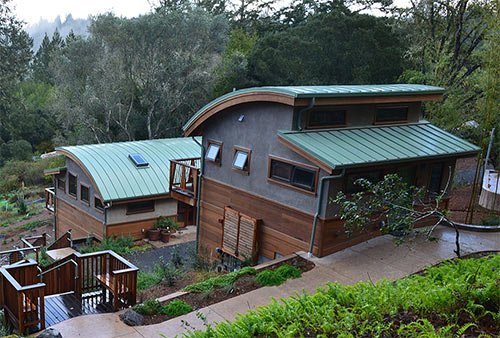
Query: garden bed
point(198, 300)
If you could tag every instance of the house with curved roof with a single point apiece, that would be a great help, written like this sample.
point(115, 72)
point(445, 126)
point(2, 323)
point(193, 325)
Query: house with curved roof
point(275, 157)
point(119, 188)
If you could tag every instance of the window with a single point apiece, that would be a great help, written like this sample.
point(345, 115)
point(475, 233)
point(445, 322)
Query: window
point(435, 179)
point(98, 203)
point(139, 207)
point(391, 114)
point(84, 194)
point(352, 187)
point(138, 160)
point(72, 187)
point(241, 160)
point(214, 151)
point(326, 119)
point(61, 183)
point(294, 174)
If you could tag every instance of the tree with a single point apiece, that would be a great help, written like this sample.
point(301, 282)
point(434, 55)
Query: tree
point(44, 56)
point(395, 205)
point(337, 47)
point(15, 55)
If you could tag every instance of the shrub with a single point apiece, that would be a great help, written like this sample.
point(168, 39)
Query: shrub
point(121, 245)
point(247, 270)
point(213, 282)
point(287, 271)
point(176, 308)
point(166, 223)
point(269, 278)
point(149, 307)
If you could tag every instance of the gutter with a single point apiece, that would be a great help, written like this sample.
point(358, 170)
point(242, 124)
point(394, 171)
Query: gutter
point(305, 110)
point(106, 207)
point(318, 207)
point(198, 193)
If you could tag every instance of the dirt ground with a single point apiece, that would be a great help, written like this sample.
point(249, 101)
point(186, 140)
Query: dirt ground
point(10, 236)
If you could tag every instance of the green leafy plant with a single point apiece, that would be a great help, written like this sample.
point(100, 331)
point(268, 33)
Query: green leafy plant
point(121, 245)
point(449, 300)
point(287, 271)
point(149, 307)
point(491, 220)
point(166, 223)
point(146, 279)
point(220, 281)
point(176, 308)
point(269, 278)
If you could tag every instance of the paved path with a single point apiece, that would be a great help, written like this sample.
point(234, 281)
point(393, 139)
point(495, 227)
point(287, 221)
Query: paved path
point(372, 260)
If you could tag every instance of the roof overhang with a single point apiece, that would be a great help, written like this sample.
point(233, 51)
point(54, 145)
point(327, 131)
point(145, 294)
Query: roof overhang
point(54, 171)
point(343, 148)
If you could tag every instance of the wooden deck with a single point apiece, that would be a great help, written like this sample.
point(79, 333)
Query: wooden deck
point(66, 306)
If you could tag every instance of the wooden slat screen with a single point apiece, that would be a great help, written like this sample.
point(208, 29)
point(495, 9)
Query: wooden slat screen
point(239, 234)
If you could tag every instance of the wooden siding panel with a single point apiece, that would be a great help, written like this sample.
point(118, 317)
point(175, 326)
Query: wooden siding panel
point(133, 229)
point(81, 224)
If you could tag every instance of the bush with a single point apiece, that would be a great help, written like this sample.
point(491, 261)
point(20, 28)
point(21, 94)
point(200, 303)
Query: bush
point(121, 245)
point(176, 308)
point(150, 307)
point(287, 271)
point(269, 278)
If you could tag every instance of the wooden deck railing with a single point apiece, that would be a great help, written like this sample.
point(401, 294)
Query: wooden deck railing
point(183, 183)
point(50, 199)
point(62, 242)
point(22, 297)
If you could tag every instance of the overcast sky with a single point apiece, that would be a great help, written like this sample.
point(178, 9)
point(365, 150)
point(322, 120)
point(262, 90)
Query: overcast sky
point(31, 11)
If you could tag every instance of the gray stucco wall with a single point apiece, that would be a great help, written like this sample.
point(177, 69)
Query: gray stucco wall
point(258, 132)
point(163, 207)
point(73, 168)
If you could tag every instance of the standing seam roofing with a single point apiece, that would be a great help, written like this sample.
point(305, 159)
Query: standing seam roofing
point(116, 176)
point(350, 147)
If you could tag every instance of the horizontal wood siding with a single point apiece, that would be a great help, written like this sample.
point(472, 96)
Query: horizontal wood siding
point(283, 229)
point(81, 224)
point(133, 229)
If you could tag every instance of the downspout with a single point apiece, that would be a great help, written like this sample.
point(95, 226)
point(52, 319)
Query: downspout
point(198, 193)
point(305, 110)
point(106, 207)
point(318, 206)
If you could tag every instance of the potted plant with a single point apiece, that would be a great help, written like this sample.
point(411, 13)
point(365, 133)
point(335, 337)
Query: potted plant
point(154, 233)
point(167, 226)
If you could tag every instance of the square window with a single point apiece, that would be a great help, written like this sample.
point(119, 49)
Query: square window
point(240, 160)
point(98, 204)
point(84, 194)
point(213, 152)
point(281, 170)
point(304, 178)
point(72, 187)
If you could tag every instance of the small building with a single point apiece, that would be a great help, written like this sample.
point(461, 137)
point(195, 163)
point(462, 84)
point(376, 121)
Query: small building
point(275, 156)
point(120, 188)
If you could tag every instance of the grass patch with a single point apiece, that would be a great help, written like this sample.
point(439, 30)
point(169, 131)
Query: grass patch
point(146, 279)
point(149, 307)
point(34, 225)
point(457, 298)
point(278, 276)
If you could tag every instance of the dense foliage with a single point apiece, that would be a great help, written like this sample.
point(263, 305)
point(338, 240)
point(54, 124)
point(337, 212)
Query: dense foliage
point(143, 77)
point(458, 297)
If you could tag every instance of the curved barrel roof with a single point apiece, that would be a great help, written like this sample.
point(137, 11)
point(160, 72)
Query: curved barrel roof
point(288, 94)
point(115, 175)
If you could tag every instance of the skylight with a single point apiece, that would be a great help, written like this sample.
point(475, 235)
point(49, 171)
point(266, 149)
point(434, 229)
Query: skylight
point(138, 160)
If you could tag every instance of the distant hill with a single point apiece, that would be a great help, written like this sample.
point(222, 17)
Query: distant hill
point(38, 30)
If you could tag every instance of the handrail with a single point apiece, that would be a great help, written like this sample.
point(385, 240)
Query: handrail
point(186, 159)
point(19, 250)
point(185, 165)
point(58, 266)
point(16, 284)
point(117, 272)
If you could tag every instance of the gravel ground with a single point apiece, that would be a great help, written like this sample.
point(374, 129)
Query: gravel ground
point(145, 261)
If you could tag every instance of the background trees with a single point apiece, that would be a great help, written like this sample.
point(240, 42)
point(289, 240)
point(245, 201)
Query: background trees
point(144, 77)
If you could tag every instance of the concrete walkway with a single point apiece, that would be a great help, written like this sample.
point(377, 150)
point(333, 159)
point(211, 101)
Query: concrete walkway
point(372, 260)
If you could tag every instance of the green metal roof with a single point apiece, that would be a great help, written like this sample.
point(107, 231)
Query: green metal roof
point(352, 147)
point(115, 175)
point(327, 91)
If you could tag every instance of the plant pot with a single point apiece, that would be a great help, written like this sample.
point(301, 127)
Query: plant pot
point(165, 236)
point(154, 234)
